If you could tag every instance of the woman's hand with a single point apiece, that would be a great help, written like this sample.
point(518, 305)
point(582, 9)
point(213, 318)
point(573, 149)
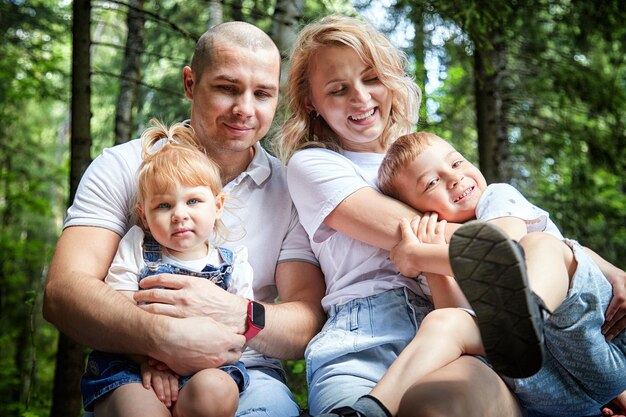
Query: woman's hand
point(615, 315)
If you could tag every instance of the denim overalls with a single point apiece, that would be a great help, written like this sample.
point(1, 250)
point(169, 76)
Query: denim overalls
point(108, 371)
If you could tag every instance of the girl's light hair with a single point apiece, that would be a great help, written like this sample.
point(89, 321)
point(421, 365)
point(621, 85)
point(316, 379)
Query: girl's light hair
point(173, 156)
point(400, 154)
point(300, 130)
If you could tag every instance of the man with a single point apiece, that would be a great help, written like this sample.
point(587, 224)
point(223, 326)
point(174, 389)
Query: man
point(233, 84)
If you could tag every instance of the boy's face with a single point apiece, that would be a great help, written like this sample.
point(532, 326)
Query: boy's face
point(441, 180)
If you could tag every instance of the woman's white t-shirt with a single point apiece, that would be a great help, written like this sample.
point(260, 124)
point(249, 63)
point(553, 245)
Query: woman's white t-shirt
point(318, 180)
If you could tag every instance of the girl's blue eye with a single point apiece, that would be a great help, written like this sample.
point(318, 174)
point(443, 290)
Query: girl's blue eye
point(192, 201)
point(163, 205)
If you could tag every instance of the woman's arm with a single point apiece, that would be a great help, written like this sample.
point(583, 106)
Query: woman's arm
point(615, 315)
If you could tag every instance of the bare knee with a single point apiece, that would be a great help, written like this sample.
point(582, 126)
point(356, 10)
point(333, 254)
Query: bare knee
point(464, 388)
point(446, 321)
point(209, 393)
point(546, 245)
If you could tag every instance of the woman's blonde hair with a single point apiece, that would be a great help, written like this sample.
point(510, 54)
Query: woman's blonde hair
point(173, 156)
point(302, 130)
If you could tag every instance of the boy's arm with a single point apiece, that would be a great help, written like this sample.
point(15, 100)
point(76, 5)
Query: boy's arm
point(412, 257)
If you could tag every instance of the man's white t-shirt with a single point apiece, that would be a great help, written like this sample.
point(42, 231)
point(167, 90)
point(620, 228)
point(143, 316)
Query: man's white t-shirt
point(320, 179)
point(258, 211)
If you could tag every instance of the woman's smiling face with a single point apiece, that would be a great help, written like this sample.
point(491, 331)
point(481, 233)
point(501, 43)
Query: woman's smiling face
point(350, 97)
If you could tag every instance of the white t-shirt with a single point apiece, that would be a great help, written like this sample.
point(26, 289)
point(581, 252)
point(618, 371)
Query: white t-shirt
point(258, 211)
point(129, 262)
point(319, 180)
point(504, 200)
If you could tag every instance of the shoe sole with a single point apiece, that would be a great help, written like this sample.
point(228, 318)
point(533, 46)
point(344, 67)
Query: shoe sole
point(491, 271)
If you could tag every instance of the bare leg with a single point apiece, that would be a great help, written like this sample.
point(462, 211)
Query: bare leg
point(209, 393)
point(550, 265)
point(444, 335)
point(131, 400)
point(465, 388)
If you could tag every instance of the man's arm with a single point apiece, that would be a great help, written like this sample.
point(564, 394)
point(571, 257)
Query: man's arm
point(294, 321)
point(81, 305)
point(299, 315)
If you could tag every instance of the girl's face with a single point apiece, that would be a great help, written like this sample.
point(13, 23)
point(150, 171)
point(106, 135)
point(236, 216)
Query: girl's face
point(350, 97)
point(182, 219)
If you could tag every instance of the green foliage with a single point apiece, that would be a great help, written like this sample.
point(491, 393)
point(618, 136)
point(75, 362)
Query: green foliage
point(564, 89)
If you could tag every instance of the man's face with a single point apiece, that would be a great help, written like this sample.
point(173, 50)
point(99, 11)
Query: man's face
point(235, 99)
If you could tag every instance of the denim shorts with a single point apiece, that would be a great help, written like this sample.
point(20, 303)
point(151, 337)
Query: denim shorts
point(358, 343)
point(581, 371)
point(108, 371)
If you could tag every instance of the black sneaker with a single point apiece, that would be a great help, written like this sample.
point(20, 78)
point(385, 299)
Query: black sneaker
point(491, 270)
point(342, 412)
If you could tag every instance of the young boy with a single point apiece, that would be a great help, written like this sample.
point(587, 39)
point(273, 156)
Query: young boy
point(515, 267)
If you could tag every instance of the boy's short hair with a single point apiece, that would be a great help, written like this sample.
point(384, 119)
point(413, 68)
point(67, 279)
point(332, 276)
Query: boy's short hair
point(401, 152)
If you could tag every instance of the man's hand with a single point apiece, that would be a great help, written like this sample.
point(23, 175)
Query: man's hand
point(191, 344)
point(187, 296)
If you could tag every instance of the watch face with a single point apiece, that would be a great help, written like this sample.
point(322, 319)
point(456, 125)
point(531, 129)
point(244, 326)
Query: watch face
point(258, 315)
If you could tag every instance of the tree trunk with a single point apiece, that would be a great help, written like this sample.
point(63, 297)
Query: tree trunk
point(70, 359)
point(216, 13)
point(284, 29)
point(131, 73)
point(493, 149)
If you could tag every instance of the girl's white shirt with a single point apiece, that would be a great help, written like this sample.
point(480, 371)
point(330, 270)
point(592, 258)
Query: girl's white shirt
point(128, 263)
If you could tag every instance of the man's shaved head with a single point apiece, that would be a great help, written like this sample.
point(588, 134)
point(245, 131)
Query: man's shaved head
point(240, 34)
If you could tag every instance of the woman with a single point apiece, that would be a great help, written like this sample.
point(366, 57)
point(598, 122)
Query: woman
point(349, 98)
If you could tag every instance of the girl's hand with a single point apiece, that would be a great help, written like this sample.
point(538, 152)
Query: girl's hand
point(429, 229)
point(164, 383)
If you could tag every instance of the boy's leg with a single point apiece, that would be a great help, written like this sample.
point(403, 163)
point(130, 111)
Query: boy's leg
point(357, 346)
point(491, 271)
point(131, 400)
point(550, 264)
point(443, 336)
point(465, 388)
point(209, 393)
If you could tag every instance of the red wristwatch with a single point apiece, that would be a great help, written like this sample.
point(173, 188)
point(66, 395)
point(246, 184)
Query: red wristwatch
point(256, 319)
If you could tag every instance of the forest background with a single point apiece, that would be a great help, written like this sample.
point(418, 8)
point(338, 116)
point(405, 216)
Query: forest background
point(533, 90)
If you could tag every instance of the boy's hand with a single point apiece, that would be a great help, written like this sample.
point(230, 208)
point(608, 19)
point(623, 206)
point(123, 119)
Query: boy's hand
point(403, 253)
point(428, 229)
point(164, 383)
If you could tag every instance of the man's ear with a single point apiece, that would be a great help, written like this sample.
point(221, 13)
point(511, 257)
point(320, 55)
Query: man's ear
point(219, 205)
point(188, 82)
